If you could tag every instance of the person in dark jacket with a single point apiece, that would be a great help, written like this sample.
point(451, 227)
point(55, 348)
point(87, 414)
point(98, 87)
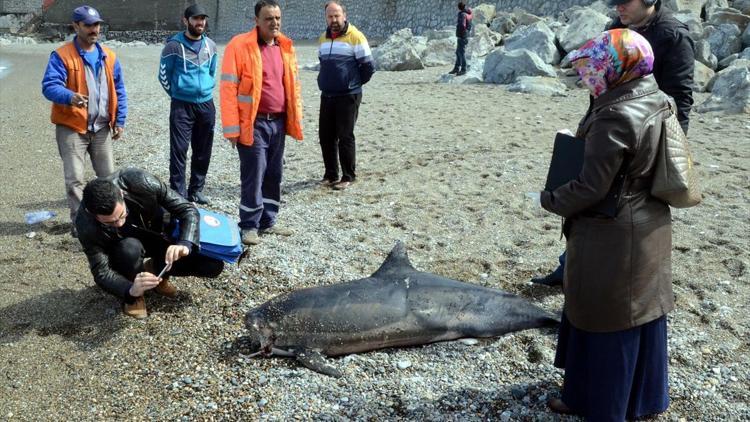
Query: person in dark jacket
point(463, 28)
point(345, 66)
point(674, 63)
point(612, 341)
point(121, 221)
point(187, 72)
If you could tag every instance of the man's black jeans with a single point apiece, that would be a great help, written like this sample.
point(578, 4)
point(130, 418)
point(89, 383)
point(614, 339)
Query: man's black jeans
point(127, 258)
point(338, 115)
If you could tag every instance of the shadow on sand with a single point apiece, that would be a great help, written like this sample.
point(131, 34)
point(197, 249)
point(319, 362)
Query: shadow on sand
point(88, 317)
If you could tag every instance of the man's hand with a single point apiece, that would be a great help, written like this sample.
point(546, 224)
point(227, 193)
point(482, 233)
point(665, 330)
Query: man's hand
point(79, 100)
point(234, 141)
point(117, 132)
point(143, 281)
point(175, 252)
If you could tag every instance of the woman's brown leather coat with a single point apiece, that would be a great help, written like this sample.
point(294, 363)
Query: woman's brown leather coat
point(618, 271)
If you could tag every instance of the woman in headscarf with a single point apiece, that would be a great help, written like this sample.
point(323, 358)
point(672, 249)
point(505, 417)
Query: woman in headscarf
point(612, 342)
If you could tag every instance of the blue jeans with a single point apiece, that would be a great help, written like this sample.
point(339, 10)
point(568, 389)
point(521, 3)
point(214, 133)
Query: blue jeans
point(461, 54)
point(261, 167)
point(560, 270)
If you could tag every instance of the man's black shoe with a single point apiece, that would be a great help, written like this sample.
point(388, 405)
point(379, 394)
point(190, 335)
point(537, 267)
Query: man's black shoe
point(551, 280)
point(453, 72)
point(198, 198)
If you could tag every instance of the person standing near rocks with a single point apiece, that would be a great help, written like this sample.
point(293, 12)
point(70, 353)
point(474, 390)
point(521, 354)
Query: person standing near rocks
point(345, 66)
point(673, 49)
point(612, 340)
point(187, 73)
point(261, 103)
point(85, 84)
point(463, 29)
point(674, 63)
point(121, 221)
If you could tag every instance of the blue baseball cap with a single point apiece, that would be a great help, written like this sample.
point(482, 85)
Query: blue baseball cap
point(87, 15)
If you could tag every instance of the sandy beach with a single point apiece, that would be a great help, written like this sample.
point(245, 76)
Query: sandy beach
point(444, 168)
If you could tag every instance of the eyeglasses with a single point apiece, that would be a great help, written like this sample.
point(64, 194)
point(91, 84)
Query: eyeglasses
point(122, 217)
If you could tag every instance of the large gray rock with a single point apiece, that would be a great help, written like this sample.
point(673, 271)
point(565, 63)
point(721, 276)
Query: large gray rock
point(439, 52)
point(523, 17)
point(742, 5)
point(730, 92)
point(729, 15)
point(402, 51)
point(483, 14)
point(504, 23)
point(503, 67)
point(536, 37)
point(745, 54)
point(724, 39)
point(704, 55)
point(694, 6)
point(538, 85)
point(439, 34)
point(482, 42)
point(710, 6)
point(702, 75)
point(693, 22)
point(746, 37)
point(583, 24)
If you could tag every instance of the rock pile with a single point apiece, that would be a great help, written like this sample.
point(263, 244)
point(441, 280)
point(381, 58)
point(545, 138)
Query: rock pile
point(520, 49)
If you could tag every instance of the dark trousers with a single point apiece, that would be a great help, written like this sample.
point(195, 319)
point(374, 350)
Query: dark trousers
point(261, 170)
point(190, 125)
point(127, 259)
point(338, 115)
point(614, 376)
point(461, 54)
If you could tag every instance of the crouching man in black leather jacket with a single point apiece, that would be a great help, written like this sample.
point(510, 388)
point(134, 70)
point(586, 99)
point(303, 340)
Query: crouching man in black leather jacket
point(121, 222)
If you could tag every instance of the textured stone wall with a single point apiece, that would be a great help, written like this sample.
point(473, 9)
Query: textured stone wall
point(304, 19)
point(20, 6)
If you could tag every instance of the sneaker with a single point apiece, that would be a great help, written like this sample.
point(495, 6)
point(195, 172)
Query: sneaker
point(461, 72)
point(198, 198)
point(277, 230)
point(165, 288)
point(250, 237)
point(136, 309)
point(342, 185)
point(453, 72)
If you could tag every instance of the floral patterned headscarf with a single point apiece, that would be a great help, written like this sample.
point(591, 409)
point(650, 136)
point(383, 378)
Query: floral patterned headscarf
point(611, 59)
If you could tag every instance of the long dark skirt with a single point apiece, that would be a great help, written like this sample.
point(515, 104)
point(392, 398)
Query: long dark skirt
point(614, 376)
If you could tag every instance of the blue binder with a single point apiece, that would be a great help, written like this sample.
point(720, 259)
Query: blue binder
point(219, 236)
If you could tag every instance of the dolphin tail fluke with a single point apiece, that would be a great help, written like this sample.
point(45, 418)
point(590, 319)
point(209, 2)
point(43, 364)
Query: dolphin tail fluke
point(397, 261)
point(314, 360)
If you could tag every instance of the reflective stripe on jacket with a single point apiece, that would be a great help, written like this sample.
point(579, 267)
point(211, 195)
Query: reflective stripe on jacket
point(242, 81)
point(76, 118)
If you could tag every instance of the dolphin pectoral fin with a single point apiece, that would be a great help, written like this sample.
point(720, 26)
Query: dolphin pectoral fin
point(314, 360)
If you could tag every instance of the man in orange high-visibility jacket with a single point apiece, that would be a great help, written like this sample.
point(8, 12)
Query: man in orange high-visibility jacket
point(261, 103)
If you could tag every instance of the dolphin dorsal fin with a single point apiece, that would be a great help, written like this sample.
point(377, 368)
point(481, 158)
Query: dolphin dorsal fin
point(396, 262)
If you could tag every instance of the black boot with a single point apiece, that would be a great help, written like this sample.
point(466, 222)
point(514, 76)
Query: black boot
point(552, 279)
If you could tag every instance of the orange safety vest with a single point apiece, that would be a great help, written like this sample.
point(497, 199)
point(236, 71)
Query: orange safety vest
point(77, 118)
point(242, 81)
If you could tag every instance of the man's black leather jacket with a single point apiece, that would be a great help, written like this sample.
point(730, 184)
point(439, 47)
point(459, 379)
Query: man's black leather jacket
point(146, 199)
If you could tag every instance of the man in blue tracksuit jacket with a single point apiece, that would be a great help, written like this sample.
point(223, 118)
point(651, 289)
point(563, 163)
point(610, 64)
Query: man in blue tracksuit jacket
point(186, 72)
point(345, 65)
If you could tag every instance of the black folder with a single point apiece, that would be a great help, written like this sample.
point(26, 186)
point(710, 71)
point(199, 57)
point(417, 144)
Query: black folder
point(566, 165)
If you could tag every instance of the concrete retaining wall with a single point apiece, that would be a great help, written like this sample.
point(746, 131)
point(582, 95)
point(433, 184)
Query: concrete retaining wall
point(20, 6)
point(302, 19)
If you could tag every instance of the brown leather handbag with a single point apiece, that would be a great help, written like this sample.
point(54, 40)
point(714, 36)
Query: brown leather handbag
point(675, 179)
